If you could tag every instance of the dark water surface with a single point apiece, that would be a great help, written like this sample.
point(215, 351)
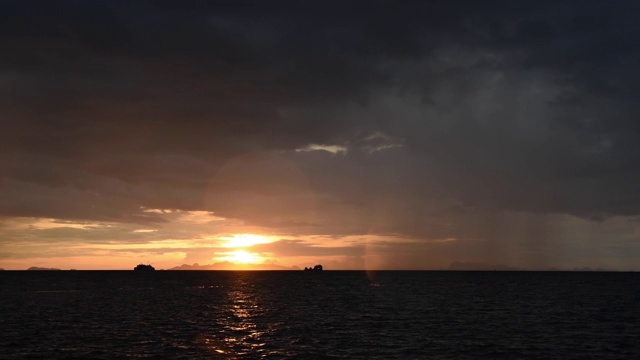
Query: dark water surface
point(319, 315)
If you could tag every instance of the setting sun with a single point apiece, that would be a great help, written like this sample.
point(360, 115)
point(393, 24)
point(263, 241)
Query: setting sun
point(239, 245)
point(241, 257)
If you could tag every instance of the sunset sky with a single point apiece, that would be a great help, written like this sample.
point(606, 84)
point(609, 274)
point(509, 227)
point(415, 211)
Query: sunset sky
point(357, 135)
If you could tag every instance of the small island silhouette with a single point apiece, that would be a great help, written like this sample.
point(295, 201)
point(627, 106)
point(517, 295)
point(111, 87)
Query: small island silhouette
point(315, 268)
point(143, 267)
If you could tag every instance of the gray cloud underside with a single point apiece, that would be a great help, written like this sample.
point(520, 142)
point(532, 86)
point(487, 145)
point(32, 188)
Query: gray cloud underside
point(489, 107)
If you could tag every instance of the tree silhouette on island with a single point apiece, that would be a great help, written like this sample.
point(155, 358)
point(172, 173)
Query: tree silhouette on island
point(315, 268)
point(143, 267)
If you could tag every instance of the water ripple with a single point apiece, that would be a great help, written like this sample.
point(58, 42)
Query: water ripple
point(328, 315)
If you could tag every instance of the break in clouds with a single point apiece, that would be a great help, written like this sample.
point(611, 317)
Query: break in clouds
point(505, 132)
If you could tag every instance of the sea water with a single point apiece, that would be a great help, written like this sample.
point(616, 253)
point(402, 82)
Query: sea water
point(319, 315)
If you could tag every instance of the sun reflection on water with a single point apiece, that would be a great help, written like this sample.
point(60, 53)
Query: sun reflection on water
point(240, 333)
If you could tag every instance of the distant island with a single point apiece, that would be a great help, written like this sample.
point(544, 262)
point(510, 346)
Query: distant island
point(42, 269)
point(233, 266)
point(315, 268)
point(479, 266)
point(143, 267)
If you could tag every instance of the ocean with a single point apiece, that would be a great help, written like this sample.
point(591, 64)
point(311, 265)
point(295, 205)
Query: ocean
point(319, 315)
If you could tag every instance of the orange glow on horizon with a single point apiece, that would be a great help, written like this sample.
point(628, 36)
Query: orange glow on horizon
point(245, 240)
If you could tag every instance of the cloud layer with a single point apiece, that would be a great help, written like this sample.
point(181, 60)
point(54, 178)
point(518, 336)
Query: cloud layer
point(420, 120)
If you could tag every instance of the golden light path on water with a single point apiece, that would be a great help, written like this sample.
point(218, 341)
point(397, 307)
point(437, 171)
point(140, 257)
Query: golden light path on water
point(239, 334)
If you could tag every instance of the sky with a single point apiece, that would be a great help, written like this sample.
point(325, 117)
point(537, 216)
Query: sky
point(353, 134)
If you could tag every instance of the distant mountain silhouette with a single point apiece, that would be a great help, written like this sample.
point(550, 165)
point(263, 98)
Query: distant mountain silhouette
point(1, 269)
point(42, 269)
point(460, 265)
point(233, 266)
point(590, 269)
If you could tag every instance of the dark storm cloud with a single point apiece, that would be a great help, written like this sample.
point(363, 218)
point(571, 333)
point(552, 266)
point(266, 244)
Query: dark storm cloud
point(107, 107)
